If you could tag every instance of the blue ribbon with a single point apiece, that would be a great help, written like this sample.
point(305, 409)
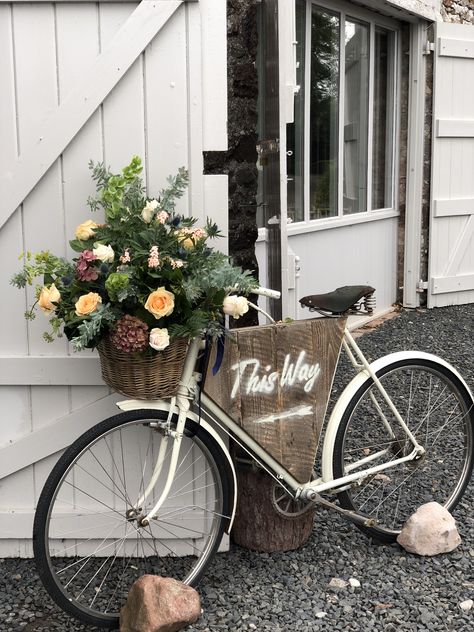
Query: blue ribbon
point(219, 355)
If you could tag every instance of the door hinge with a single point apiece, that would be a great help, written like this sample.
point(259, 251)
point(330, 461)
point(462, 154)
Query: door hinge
point(421, 286)
point(428, 48)
point(268, 146)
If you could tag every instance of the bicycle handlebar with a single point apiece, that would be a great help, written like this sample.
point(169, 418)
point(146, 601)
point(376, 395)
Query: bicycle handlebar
point(264, 291)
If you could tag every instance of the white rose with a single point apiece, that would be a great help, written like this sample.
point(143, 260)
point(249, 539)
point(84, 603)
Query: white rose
point(104, 253)
point(236, 306)
point(149, 210)
point(159, 339)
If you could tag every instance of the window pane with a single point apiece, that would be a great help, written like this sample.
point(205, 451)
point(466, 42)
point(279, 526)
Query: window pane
point(325, 30)
point(383, 120)
point(295, 131)
point(356, 108)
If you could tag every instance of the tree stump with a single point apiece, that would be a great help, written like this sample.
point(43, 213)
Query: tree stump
point(258, 526)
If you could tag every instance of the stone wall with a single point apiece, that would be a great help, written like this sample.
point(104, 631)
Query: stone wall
point(461, 11)
point(239, 162)
point(402, 158)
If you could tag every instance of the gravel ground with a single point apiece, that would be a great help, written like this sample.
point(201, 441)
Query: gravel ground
point(289, 591)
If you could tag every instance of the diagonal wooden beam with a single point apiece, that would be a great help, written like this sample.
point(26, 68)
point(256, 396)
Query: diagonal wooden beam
point(56, 436)
point(460, 248)
point(62, 126)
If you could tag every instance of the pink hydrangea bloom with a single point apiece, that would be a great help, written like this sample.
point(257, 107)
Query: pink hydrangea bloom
point(154, 259)
point(199, 233)
point(85, 270)
point(162, 216)
point(125, 258)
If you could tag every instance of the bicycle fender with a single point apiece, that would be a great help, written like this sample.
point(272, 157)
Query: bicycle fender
point(352, 388)
point(139, 404)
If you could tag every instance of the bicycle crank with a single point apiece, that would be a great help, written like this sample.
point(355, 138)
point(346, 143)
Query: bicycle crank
point(354, 517)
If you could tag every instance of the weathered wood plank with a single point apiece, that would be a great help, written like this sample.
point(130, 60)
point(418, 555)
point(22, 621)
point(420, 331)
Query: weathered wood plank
point(275, 382)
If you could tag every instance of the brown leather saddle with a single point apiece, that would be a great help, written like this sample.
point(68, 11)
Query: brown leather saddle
point(341, 300)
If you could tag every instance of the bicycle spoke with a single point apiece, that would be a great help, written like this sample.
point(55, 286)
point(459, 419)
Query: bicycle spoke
point(94, 559)
point(439, 417)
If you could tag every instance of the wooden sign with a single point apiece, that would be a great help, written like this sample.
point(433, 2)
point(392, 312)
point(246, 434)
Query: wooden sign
point(275, 381)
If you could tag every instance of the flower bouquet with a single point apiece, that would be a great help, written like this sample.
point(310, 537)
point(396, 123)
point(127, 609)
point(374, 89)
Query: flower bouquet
point(142, 283)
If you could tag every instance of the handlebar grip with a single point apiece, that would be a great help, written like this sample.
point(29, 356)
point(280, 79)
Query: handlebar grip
point(264, 291)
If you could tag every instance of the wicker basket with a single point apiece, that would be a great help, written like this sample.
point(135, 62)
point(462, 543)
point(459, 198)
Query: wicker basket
point(148, 377)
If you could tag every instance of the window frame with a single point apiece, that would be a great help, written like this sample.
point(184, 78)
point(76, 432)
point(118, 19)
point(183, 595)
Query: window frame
point(346, 9)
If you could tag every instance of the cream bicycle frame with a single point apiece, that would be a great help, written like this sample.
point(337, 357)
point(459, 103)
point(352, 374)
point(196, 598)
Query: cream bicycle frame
point(180, 406)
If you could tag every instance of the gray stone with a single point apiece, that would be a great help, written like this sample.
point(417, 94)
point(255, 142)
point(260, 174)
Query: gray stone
point(158, 604)
point(431, 530)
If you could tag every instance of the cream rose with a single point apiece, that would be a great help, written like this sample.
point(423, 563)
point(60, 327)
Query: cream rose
point(235, 306)
point(47, 297)
point(159, 339)
point(160, 303)
point(87, 303)
point(149, 210)
point(104, 253)
point(86, 230)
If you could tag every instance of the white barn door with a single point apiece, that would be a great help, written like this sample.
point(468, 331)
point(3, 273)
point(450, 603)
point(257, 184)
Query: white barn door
point(87, 80)
point(451, 248)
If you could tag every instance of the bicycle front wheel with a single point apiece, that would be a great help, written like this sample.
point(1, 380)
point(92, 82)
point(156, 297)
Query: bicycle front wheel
point(89, 545)
point(438, 410)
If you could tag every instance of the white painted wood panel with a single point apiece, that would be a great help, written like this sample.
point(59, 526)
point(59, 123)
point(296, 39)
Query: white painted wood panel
point(361, 254)
point(451, 248)
point(358, 254)
point(83, 81)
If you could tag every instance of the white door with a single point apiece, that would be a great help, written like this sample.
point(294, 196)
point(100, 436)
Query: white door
point(338, 150)
point(80, 81)
point(451, 246)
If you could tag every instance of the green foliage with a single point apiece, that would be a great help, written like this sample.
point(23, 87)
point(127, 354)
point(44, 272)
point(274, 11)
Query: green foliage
point(143, 247)
point(90, 329)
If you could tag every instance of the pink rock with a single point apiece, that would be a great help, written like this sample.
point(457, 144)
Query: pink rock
point(158, 604)
point(431, 530)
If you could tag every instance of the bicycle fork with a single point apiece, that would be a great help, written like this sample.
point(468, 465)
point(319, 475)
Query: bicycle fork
point(174, 436)
point(182, 402)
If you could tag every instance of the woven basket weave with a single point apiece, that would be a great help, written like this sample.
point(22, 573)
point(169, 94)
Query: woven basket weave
point(148, 377)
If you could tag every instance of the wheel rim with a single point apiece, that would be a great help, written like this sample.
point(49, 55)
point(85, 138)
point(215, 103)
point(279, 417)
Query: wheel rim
point(94, 560)
point(439, 417)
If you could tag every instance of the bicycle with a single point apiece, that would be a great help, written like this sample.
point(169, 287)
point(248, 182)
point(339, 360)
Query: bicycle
point(154, 488)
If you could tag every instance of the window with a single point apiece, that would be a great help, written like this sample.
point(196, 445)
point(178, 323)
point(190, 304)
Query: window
point(340, 148)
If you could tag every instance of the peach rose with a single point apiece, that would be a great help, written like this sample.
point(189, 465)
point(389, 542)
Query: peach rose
point(86, 230)
point(87, 303)
point(159, 339)
point(160, 303)
point(47, 297)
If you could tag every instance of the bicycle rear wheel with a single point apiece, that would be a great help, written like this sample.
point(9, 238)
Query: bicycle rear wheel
point(439, 411)
point(89, 550)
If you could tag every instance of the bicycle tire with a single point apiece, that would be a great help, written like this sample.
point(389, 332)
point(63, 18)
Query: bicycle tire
point(77, 473)
point(436, 476)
